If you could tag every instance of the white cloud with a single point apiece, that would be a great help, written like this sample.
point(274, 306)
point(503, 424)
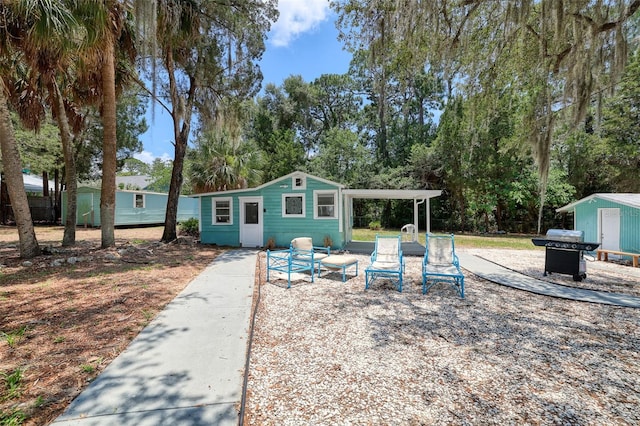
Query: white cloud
point(297, 17)
point(148, 157)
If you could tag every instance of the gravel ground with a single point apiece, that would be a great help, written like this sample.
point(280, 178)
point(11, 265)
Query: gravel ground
point(333, 353)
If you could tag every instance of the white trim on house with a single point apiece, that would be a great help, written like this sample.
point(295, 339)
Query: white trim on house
point(302, 206)
point(135, 200)
point(626, 199)
point(214, 215)
point(251, 235)
point(316, 204)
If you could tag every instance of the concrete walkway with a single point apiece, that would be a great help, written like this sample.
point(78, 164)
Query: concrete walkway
point(186, 367)
point(501, 275)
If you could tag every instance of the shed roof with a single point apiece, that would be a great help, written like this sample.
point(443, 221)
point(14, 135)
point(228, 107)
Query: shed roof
point(627, 199)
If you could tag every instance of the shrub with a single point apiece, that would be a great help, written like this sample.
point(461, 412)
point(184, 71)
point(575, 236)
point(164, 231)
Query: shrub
point(375, 225)
point(271, 244)
point(190, 227)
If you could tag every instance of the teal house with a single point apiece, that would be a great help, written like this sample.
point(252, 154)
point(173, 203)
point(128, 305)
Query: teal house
point(281, 210)
point(295, 205)
point(613, 220)
point(132, 207)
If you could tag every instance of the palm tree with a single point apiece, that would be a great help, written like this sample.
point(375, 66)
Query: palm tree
point(19, 20)
point(109, 38)
point(49, 53)
point(12, 166)
point(221, 162)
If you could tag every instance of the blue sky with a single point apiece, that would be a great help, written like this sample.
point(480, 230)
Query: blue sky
point(302, 42)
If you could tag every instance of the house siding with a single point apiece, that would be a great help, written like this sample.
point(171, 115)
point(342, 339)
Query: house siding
point(586, 219)
point(126, 214)
point(281, 230)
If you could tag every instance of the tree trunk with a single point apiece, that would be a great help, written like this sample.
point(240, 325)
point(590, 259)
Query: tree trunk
point(12, 165)
point(171, 217)
point(181, 134)
point(109, 164)
point(71, 183)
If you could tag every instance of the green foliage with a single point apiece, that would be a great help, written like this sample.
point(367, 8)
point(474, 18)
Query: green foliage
point(14, 417)
point(40, 151)
point(87, 368)
point(342, 158)
point(621, 130)
point(13, 337)
point(134, 167)
point(130, 113)
point(160, 175)
point(375, 225)
point(190, 227)
point(222, 161)
point(11, 384)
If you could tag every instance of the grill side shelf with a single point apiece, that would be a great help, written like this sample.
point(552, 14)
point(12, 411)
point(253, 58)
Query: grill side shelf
point(567, 245)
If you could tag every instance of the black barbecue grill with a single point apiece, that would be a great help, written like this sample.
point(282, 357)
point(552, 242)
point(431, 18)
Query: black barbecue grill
point(564, 252)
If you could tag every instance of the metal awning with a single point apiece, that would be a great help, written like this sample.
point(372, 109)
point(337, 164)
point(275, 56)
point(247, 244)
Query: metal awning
point(392, 194)
point(419, 196)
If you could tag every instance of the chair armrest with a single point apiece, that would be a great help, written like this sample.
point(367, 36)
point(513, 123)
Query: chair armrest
point(322, 249)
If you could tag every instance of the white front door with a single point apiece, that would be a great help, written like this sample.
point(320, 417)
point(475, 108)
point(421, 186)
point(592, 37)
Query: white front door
point(609, 224)
point(251, 222)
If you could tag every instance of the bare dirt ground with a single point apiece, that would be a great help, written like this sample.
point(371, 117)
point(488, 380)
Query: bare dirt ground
point(66, 315)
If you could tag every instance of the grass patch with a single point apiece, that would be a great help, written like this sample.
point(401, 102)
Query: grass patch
point(13, 337)
point(11, 384)
point(15, 417)
point(513, 242)
point(87, 368)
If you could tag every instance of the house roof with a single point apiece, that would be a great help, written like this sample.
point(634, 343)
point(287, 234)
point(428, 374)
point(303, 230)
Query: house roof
point(130, 182)
point(34, 183)
point(285, 177)
point(627, 199)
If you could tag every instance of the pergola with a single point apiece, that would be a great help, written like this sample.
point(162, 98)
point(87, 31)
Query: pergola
point(418, 197)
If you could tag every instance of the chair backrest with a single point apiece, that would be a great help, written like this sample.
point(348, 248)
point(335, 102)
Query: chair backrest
point(409, 232)
point(302, 243)
point(388, 249)
point(439, 249)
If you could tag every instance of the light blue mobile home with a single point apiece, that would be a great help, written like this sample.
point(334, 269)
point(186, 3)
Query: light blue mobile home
point(132, 207)
point(613, 220)
point(294, 205)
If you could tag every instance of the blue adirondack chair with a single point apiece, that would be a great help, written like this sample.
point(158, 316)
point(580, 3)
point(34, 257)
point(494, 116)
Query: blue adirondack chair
point(386, 261)
point(441, 264)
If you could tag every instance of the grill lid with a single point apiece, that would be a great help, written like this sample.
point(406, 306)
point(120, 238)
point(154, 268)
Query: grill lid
point(566, 235)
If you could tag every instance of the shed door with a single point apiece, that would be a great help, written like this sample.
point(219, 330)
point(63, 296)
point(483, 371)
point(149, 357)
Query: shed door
point(84, 209)
point(609, 228)
point(251, 222)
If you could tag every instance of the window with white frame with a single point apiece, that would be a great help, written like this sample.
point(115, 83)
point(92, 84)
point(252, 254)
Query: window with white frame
point(138, 201)
point(293, 205)
point(325, 204)
point(299, 182)
point(222, 209)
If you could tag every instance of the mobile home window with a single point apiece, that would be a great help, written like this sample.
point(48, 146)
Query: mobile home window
point(325, 205)
point(293, 205)
point(222, 211)
point(138, 201)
